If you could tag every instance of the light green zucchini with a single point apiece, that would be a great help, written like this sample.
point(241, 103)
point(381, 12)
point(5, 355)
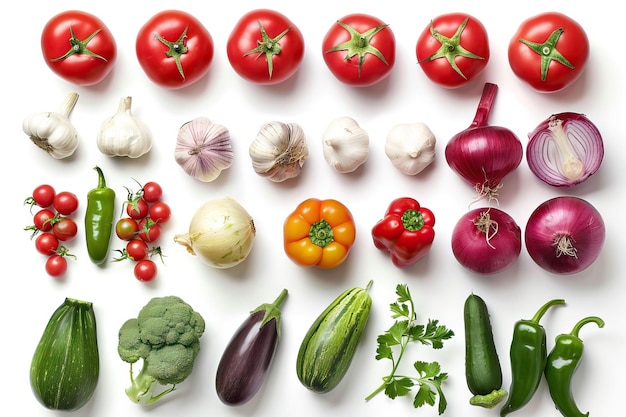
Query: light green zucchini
point(65, 367)
point(330, 343)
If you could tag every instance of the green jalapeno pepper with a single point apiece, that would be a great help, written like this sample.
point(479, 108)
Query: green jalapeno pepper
point(528, 355)
point(99, 219)
point(563, 361)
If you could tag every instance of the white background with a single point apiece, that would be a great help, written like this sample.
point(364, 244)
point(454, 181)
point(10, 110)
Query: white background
point(312, 98)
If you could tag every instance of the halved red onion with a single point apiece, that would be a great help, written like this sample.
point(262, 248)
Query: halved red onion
point(565, 149)
point(482, 154)
point(565, 235)
point(486, 240)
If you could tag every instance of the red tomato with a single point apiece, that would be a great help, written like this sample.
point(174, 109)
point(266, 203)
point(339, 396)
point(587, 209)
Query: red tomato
point(65, 229)
point(145, 270)
point(78, 47)
point(43, 220)
point(453, 49)
point(174, 49)
point(265, 47)
point(65, 203)
point(126, 228)
point(137, 209)
point(360, 50)
point(46, 244)
point(152, 192)
point(137, 249)
point(549, 51)
point(149, 231)
point(160, 212)
point(56, 265)
point(43, 196)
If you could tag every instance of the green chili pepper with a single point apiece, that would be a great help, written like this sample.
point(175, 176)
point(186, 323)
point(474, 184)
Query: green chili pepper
point(563, 361)
point(99, 219)
point(528, 357)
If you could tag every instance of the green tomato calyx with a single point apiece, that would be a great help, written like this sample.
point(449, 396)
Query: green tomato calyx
point(176, 49)
point(359, 44)
point(451, 47)
point(548, 52)
point(268, 46)
point(80, 47)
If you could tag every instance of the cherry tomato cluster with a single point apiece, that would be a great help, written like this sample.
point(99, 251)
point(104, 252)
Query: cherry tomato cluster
point(143, 215)
point(549, 51)
point(53, 225)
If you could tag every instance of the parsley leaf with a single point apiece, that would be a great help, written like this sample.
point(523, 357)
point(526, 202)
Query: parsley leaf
point(403, 331)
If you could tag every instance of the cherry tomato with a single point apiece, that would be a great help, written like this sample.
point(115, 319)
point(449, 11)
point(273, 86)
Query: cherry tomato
point(265, 47)
point(126, 228)
point(137, 209)
point(453, 49)
point(78, 47)
point(549, 51)
point(160, 212)
point(174, 49)
point(65, 203)
point(56, 265)
point(137, 249)
point(65, 229)
point(152, 192)
point(149, 231)
point(145, 270)
point(42, 196)
point(360, 50)
point(43, 220)
point(46, 243)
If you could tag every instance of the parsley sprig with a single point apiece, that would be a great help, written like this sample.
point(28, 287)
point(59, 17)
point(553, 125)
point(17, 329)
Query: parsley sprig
point(405, 330)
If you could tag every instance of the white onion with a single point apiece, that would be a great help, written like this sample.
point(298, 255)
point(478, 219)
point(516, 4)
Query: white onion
point(221, 233)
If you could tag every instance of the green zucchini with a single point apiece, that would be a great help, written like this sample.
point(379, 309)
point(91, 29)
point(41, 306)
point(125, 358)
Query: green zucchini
point(482, 365)
point(65, 367)
point(330, 343)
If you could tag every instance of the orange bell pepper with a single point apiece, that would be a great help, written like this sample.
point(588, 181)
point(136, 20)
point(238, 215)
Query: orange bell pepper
point(319, 233)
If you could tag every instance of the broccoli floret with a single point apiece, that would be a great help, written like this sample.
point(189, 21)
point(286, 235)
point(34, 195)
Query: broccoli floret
point(166, 336)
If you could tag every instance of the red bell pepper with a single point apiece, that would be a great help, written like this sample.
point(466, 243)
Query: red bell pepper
point(406, 232)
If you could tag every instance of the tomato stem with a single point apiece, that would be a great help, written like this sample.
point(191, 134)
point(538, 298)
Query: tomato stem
point(79, 47)
point(176, 49)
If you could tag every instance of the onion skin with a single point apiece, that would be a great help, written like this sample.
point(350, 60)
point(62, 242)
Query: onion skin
point(482, 154)
point(581, 148)
point(567, 216)
point(486, 255)
point(248, 356)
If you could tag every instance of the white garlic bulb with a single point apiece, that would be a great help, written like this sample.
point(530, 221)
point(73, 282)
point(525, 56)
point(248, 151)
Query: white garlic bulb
point(345, 144)
point(279, 151)
point(203, 149)
point(124, 134)
point(52, 131)
point(410, 147)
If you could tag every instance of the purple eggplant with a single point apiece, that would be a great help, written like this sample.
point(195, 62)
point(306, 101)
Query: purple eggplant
point(249, 354)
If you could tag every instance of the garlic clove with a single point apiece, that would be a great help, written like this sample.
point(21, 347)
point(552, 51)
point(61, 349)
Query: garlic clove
point(410, 147)
point(123, 134)
point(279, 151)
point(203, 149)
point(345, 144)
point(52, 131)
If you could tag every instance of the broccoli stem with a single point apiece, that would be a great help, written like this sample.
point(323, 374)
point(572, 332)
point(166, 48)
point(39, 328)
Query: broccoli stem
point(141, 390)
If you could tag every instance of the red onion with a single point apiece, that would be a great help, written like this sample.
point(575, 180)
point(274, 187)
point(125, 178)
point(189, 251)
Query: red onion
point(482, 154)
point(486, 240)
point(564, 235)
point(565, 149)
